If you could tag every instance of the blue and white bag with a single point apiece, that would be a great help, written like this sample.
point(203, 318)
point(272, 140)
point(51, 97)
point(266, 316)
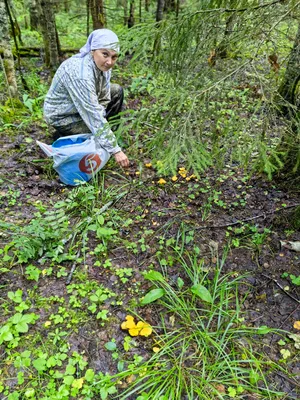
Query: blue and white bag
point(77, 158)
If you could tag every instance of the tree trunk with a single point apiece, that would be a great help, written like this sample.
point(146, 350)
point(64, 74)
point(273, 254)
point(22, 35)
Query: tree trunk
point(49, 32)
point(177, 8)
point(16, 27)
point(131, 14)
point(160, 10)
point(291, 78)
point(26, 26)
point(87, 18)
point(97, 13)
point(8, 61)
point(34, 15)
point(222, 48)
point(147, 5)
point(169, 5)
point(125, 6)
point(140, 11)
point(67, 5)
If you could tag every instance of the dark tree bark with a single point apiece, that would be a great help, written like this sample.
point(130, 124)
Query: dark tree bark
point(222, 48)
point(160, 10)
point(97, 13)
point(131, 14)
point(140, 10)
point(67, 5)
point(169, 5)
point(15, 25)
point(147, 4)
point(49, 32)
point(177, 8)
point(125, 6)
point(34, 15)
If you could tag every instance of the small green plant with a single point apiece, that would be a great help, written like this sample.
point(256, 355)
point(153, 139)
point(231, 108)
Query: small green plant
point(32, 273)
point(142, 84)
point(11, 197)
point(213, 198)
point(14, 326)
point(248, 236)
point(124, 274)
point(33, 105)
point(17, 297)
point(128, 343)
point(57, 335)
point(293, 278)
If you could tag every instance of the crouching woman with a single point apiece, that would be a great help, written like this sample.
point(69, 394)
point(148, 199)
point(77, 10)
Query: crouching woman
point(81, 98)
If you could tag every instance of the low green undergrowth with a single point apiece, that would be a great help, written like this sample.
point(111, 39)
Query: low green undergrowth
point(204, 348)
point(201, 346)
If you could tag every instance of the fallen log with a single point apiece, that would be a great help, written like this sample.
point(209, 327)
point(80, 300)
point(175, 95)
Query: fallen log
point(36, 52)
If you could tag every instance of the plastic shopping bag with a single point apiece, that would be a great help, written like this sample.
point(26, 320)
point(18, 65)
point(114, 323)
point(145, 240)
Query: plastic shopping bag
point(77, 158)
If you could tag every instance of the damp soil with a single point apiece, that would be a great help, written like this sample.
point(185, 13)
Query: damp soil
point(209, 210)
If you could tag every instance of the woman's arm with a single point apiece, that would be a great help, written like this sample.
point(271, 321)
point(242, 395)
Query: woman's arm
point(84, 97)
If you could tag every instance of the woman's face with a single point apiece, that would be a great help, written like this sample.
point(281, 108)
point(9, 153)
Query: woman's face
point(105, 59)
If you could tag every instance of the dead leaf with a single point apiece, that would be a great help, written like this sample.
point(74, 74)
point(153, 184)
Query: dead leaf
point(220, 388)
point(296, 338)
point(212, 58)
point(295, 246)
point(213, 245)
point(172, 320)
point(261, 297)
point(273, 60)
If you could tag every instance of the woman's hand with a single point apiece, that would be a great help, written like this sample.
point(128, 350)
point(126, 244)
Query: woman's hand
point(122, 159)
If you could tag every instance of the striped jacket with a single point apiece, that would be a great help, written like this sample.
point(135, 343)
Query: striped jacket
point(80, 91)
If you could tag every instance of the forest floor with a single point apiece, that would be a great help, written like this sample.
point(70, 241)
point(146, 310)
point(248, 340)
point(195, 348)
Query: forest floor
point(226, 215)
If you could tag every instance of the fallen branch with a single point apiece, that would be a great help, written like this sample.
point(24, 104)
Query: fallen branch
point(288, 379)
point(246, 219)
point(73, 268)
point(282, 288)
point(35, 51)
point(236, 10)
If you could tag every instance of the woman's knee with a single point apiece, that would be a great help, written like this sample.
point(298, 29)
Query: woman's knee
point(116, 91)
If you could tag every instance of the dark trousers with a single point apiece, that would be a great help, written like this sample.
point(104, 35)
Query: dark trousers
point(113, 108)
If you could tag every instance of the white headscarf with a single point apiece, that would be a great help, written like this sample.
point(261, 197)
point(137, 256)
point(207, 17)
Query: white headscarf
point(100, 39)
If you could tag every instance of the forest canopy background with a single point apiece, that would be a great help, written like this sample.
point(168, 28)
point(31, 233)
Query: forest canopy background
point(218, 80)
